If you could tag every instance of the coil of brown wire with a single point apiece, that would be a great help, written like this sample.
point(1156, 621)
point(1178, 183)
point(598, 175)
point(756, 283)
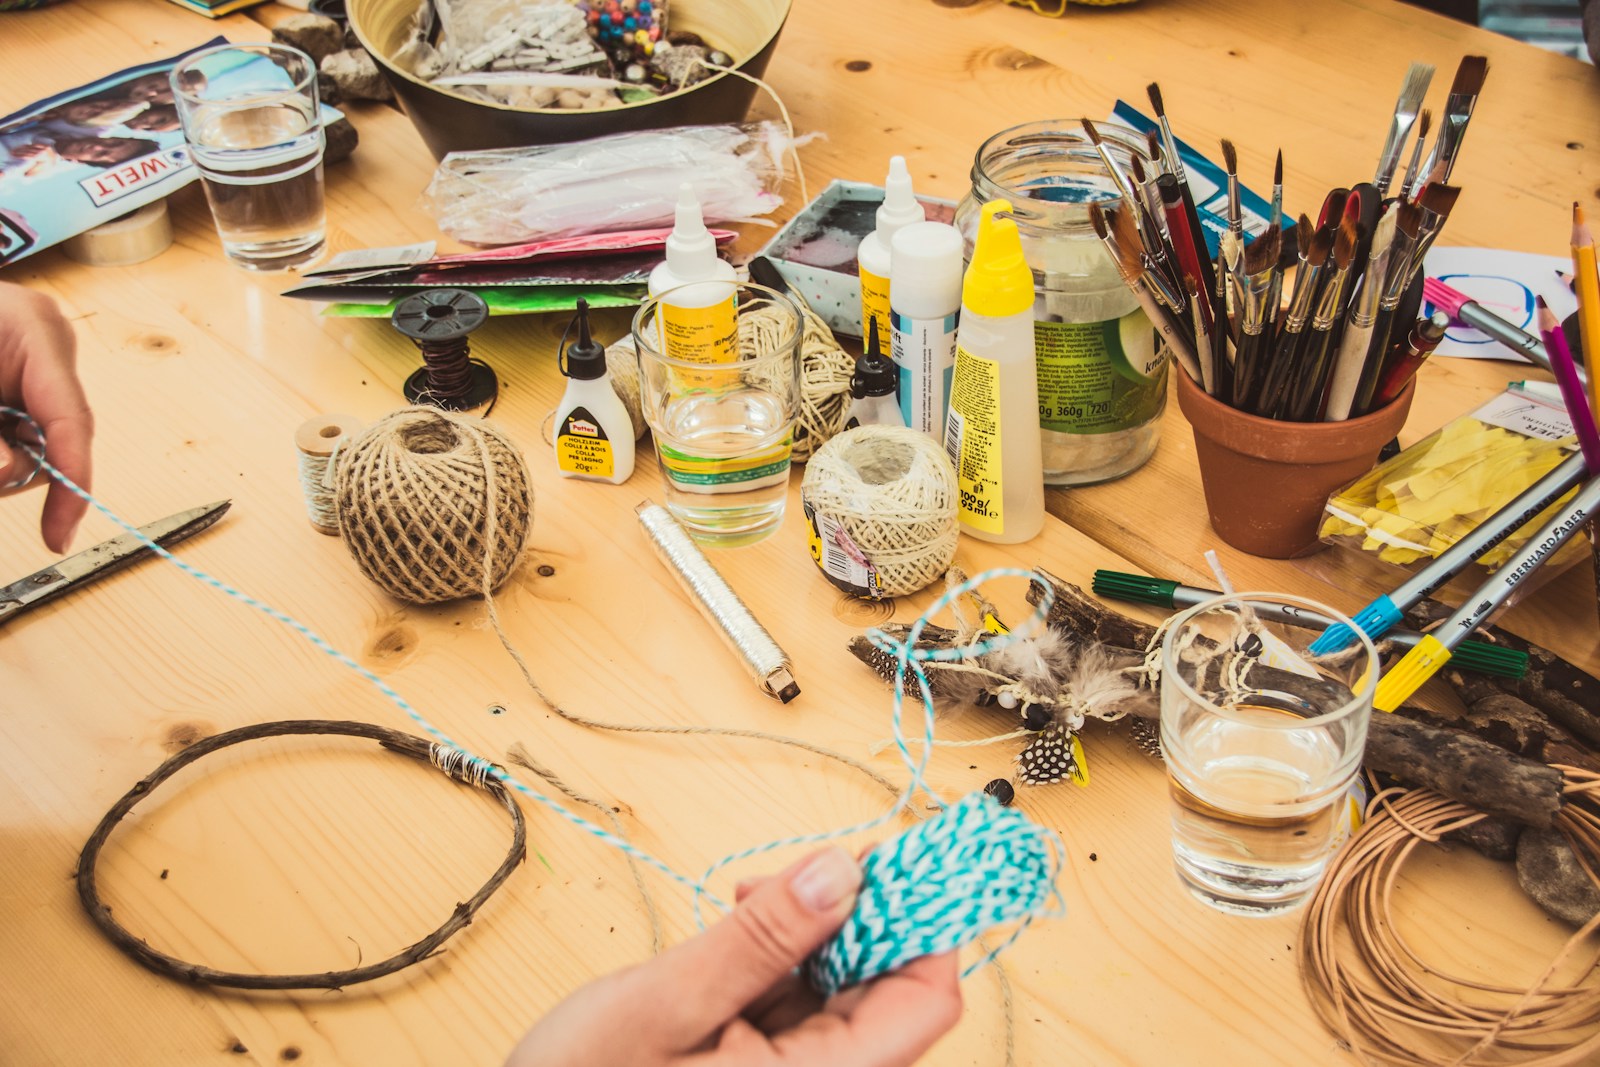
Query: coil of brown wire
point(1390, 1006)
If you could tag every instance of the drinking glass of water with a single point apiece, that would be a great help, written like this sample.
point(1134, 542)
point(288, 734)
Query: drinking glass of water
point(1263, 743)
point(250, 115)
point(719, 381)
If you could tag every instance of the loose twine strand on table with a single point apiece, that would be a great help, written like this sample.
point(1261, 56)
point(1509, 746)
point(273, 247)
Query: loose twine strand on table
point(1376, 992)
point(1006, 865)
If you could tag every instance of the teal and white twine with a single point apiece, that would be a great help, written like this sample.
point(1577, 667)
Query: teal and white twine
point(933, 888)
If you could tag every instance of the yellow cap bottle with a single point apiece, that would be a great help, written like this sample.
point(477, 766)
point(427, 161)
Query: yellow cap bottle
point(998, 282)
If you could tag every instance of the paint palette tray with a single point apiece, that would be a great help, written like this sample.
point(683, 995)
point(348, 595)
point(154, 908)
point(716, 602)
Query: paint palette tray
point(816, 250)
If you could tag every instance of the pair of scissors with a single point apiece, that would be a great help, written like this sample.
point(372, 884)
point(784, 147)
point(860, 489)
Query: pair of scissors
point(103, 559)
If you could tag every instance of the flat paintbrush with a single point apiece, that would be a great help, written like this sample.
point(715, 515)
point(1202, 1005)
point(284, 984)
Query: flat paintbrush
point(1258, 269)
point(1316, 246)
point(1132, 195)
point(1305, 397)
point(1356, 344)
point(1412, 92)
point(1436, 202)
point(1464, 92)
point(1133, 243)
point(1132, 272)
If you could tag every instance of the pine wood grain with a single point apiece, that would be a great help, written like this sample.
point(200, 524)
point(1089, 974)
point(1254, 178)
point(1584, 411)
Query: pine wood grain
point(303, 855)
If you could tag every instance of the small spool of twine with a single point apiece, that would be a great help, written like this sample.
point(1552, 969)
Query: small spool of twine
point(893, 492)
point(622, 363)
point(317, 443)
point(433, 505)
point(825, 370)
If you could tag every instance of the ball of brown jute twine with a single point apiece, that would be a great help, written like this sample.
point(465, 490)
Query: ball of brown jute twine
point(825, 370)
point(893, 491)
point(433, 505)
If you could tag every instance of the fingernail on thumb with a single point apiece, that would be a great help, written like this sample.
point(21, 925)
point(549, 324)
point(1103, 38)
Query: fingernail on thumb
point(826, 880)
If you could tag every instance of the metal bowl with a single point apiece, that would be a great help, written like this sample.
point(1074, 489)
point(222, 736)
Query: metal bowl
point(449, 122)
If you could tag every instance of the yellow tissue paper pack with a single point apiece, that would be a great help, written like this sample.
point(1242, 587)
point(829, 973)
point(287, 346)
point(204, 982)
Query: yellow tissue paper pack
point(1423, 500)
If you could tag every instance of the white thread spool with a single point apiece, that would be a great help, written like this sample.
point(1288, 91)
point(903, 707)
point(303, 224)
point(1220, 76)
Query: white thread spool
point(881, 505)
point(317, 442)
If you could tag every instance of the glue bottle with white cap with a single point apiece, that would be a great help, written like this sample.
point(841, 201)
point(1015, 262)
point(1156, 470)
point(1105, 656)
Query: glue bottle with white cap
point(924, 305)
point(696, 320)
point(900, 208)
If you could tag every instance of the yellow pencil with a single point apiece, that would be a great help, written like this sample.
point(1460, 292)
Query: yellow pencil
point(1587, 286)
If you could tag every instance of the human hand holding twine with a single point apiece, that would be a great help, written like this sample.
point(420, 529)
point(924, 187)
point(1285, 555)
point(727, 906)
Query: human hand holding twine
point(730, 996)
point(37, 374)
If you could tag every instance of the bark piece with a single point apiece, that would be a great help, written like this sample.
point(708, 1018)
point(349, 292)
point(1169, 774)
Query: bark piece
point(1464, 768)
point(1495, 839)
point(1550, 873)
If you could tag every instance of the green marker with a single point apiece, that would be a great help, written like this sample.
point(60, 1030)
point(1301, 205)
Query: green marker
point(1469, 656)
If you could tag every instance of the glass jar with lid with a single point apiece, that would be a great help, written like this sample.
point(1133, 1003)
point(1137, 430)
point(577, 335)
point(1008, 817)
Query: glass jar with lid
point(1099, 414)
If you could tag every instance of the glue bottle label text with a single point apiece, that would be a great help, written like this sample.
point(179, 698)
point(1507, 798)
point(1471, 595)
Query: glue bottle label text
point(972, 440)
point(582, 447)
point(700, 334)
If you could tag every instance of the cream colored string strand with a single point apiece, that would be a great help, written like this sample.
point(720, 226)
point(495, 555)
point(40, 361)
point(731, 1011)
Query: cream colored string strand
point(788, 124)
point(518, 753)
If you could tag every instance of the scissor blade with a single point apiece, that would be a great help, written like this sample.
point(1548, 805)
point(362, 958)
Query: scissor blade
point(103, 559)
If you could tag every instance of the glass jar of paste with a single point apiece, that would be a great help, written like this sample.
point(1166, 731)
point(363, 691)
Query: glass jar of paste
point(1099, 414)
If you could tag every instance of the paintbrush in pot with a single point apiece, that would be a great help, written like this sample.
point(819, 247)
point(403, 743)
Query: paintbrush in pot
point(1174, 163)
point(1190, 251)
point(1202, 339)
point(1316, 246)
point(1305, 399)
point(1133, 196)
point(1423, 124)
point(1230, 158)
point(1258, 269)
point(1464, 92)
point(1412, 92)
point(1134, 243)
point(1277, 191)
point(1133, 272)
point(1152, 219)
point(1361, 341)
point(1436, 202)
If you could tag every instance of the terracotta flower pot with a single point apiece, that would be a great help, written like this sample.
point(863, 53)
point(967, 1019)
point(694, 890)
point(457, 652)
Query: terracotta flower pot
point(1266, 481)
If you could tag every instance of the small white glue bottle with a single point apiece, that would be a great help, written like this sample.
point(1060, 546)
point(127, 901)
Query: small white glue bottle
point(872, 401)
point(924, 306)
point(992, 435)
point(594, 435)
point(900, 207)
point(696, 322)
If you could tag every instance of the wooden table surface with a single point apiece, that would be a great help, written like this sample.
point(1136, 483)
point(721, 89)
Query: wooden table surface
point(310, 854)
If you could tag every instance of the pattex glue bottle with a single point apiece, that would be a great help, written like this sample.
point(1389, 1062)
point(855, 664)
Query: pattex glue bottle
point(696, 322)
point(594, 435)
point(992, 433)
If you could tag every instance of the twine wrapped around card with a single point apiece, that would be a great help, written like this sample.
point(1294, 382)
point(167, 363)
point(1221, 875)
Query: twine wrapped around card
point(886, 497)
point(422, 511)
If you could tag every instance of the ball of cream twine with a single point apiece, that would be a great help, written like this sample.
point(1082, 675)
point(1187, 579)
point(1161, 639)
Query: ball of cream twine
point(894, 492)
point(825, 370)
point(433, 505)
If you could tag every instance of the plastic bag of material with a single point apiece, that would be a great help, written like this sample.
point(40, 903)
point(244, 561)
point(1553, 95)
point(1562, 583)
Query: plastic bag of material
point(626, 181)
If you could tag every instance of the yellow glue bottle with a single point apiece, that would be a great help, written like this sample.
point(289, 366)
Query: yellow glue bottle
point(900, 208)
point(695, 320)
point(594, 434)
point(992, 432)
